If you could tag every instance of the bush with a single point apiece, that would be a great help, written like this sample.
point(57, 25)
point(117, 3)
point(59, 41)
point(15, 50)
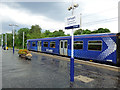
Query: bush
point(23, 51)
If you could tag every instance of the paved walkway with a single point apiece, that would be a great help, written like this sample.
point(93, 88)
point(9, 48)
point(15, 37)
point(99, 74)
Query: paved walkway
point(47, 72)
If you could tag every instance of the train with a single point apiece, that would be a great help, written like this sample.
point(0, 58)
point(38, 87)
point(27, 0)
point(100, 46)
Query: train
point(103, 47)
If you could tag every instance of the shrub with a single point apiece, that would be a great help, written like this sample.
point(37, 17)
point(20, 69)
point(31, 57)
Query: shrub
point(23, 51)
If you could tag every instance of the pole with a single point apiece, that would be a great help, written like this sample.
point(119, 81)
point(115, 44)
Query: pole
point(2, 40)
point(5, 40)
point(81, 22)
point(13, 34)
point(13, 39)
point(72, 53)
point(23, 40)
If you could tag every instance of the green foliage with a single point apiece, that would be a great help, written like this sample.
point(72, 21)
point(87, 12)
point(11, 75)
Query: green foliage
point(19, 37)
point(58, 33)
point(9, 39)
point(100, 30)
point(78, 32)
point(47, 33)
point(86, 31)
point(35, 32)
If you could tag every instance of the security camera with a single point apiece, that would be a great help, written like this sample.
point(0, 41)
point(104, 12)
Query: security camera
point(76, 5)
point(69, 8)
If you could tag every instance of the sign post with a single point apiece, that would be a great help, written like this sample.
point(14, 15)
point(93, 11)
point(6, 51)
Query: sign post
point(71, 23)
point(23, 40)
point(6, 41)
point(13, 25)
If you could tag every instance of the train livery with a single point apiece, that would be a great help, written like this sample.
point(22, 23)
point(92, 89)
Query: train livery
point(96, 47)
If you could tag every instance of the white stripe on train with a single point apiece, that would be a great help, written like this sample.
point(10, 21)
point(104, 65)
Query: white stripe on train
point(111, 48)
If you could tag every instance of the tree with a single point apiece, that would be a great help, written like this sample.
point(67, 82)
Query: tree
point(58, 33)
point(47, 33)
point(86, 31)
point(78, 32)
point(101, 30)
point(9, 39)
point(19, 37)
point(35, 32)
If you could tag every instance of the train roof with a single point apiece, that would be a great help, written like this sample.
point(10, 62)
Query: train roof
point(82, 36)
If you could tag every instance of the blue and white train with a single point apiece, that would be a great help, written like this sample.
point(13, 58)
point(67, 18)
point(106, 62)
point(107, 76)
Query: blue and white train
point(97, 47)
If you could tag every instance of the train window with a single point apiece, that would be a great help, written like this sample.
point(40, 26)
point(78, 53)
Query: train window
point(45, 44)
point(33, 44)
point(95, 45)
point(52, 44)
point(78, 44)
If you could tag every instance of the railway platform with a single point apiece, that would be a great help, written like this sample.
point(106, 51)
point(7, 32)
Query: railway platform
point(51, 71)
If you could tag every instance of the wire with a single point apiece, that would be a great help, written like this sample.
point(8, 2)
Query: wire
point(100, 12)
point(101, 21)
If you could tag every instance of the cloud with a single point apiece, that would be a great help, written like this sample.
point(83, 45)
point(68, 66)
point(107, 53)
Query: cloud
point(21, 16)
point(92, 10)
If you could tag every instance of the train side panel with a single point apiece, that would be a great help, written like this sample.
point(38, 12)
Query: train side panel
point(107, 52)
point(32, 45)
point(100, 47)
point(49, 49)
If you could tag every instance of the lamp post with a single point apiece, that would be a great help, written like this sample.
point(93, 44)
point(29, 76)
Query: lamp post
point(81, 22)
point(13, 25)
point(72, 43)
point(6, 41)
point(23, 40)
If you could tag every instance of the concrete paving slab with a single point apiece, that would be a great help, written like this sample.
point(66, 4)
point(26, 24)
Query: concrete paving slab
point(83, 78)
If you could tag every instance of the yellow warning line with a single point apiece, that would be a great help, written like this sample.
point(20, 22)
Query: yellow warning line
point(112, 68)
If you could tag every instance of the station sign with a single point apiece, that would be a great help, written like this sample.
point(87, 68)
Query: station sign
point(72, 22)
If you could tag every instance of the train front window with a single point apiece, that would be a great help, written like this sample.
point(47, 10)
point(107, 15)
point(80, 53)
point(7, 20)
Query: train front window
point(52, 44)
point(78, 44)
point(95, 45)
point(33, 44)
point(28, 43)
point(45, 44)
point(119, 37)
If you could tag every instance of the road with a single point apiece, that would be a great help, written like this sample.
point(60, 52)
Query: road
point(47, 72)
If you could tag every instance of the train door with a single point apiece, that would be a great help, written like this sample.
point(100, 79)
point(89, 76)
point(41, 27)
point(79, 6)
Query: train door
point(63, 47)
point(39, 45)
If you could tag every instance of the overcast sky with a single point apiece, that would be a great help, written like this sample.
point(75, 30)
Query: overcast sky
point(51, 15)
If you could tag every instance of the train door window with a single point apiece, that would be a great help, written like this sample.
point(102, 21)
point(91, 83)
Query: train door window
point(33, 44)
point(61, 44)
point(45, 44)
point(40, 43)
point(52, 44)
point(95, 45)
point(65, 44)
point(78, 44)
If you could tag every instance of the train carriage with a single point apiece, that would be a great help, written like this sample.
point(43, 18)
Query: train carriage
point(97, 47)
